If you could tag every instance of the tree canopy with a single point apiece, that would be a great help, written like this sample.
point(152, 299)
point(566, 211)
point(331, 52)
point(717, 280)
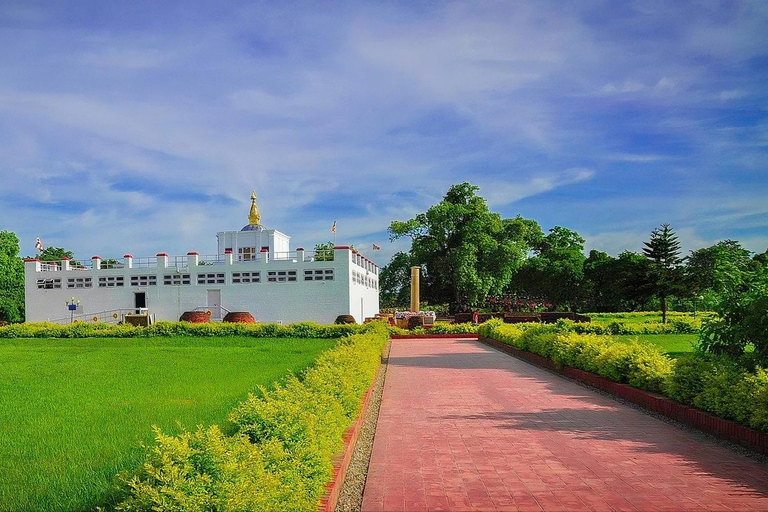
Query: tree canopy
point(11, 279)
point(467, 251)
point(664, 275)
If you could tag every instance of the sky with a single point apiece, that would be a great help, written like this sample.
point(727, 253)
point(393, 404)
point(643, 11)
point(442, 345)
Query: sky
point(143, 127)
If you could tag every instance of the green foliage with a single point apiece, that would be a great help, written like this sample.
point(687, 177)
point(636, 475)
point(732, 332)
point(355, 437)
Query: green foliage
point(556, 271)
point(324, 252)
point(723, 386)
point(730, 388)
point(75, 411)
point(281, 456)
point(11, 279)
point(203, 471)
point(443, 328)
point(741, 320)
point(395, 281)
point(467, 251)
point(639, 364)
point(54, 254)
point(665, 276)
point(101, 330)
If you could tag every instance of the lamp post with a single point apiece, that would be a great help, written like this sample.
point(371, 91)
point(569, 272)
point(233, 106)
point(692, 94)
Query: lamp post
point(72, 306)
point(696, 300)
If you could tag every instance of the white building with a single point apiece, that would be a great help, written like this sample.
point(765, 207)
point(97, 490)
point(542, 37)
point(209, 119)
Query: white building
point(254, 270)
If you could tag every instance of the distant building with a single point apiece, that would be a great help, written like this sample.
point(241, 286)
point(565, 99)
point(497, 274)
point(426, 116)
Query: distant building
point(254, 270)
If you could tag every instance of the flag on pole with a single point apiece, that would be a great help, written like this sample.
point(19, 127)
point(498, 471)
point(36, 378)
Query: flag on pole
point(39, 245)
point(333, 228)
point(376, 247)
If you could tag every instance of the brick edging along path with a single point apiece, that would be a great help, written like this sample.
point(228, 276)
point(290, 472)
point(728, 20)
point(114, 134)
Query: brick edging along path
point(691, 416)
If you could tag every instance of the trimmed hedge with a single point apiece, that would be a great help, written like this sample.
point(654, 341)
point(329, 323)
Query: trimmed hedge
point(162, 328)
point(639, 364)
point(281, 454)
point(735, 390)
point(676, 326)
point(722, 386)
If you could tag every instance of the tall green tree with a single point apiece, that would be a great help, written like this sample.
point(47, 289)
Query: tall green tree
point(720, 269)
point(556, 270)
point(467, 252)
point(741, 319)
point(395, 281)
point(665, 276)
point(11, 279)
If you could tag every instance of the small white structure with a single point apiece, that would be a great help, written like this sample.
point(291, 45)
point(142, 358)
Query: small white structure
point(254, 271)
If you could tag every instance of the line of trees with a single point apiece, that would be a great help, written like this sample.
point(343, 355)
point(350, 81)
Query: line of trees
point(473, 258)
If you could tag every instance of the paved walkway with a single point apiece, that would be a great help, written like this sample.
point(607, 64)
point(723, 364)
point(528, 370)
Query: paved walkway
point(465, 427)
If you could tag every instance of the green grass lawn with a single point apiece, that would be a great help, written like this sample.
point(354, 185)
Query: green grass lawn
point(644, 317)
point(674, 345)
point(74, 412)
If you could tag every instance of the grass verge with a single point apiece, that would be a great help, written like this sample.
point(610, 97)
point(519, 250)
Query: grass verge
point(76, 411)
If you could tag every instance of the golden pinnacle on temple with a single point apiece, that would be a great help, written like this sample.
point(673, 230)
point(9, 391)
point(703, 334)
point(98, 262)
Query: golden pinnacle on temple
point(254, 216)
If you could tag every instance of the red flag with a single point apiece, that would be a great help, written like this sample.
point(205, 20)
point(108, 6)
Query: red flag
point(333, 228)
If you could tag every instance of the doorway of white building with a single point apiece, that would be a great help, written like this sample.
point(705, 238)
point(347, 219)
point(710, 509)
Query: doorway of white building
point(139, 301)
point(214, 304)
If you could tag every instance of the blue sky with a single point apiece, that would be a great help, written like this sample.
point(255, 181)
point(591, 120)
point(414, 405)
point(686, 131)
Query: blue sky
point(143, 126)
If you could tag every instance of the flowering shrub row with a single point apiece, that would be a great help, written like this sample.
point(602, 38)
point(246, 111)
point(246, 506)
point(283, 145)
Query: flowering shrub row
point(280, 456)
point(720, 385)
point(101, 330)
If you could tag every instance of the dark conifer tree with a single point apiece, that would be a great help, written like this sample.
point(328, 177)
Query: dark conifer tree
point(665, 277)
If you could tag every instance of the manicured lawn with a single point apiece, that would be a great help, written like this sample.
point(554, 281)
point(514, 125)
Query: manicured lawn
point(74, 412)
point(644, 317)
point(673, 345)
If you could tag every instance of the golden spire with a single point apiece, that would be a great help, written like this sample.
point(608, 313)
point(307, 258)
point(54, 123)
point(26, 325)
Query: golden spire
point(254, 216)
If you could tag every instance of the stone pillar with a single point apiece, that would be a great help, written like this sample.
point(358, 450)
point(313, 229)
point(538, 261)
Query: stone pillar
point(96, 260)
point(265, 254)
point(193, 259)
point(415, 288)
point(65, 264)
point(300, 253)
point(128, 260)
point(162, 260)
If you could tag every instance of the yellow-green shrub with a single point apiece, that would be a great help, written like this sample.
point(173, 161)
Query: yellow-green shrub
point(280, 457)
point(162, 328)
point(639, 364)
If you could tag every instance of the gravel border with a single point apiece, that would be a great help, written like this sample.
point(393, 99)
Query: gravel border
point(704, 436)
point(351, 495)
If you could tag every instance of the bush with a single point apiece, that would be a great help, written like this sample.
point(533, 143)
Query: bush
point(639, 364)
point(162, 328)
point(281, 455)
point(728, 387)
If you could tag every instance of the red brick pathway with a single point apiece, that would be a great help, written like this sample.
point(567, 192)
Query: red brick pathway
point(465, 427)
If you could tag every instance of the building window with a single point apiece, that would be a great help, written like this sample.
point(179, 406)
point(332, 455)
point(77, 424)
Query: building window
point(143, 280)
point(79, 282)
point(110, 281)
point(246, 253)
point(324, 274)
point(246, 277)
point(281, 276)
point(48, 284)
point(210, 278)
point(177, 279)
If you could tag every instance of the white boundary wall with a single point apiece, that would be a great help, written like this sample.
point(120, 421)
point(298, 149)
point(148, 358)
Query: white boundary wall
point(353, 290)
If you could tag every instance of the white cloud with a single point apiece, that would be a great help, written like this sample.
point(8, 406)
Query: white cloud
point(501, 193)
